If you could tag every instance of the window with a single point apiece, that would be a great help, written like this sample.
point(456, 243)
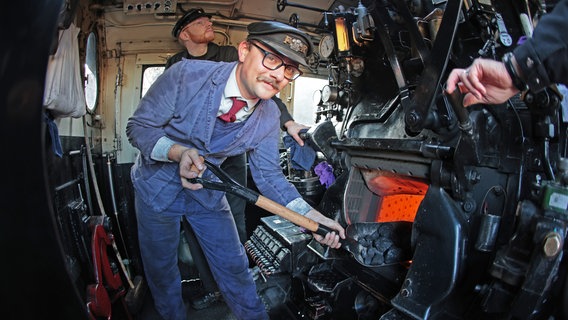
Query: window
point(304, 106)
point(151, 73)
point(91, 75)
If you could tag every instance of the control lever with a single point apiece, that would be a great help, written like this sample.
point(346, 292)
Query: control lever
point(456, 100)
point(488, 49)
point(504, 36)
point(467, 146)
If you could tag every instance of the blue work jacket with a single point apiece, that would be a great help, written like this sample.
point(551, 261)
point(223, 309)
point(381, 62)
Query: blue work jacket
point(182, 105)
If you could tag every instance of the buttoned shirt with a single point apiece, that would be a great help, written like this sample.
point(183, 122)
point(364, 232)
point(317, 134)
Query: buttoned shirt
point(232, 90)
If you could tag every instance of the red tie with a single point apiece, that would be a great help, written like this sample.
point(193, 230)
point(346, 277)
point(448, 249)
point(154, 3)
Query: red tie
point(231, 115)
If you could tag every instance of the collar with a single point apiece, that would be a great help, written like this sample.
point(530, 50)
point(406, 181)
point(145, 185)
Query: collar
point(232, 90)
point(212, 51)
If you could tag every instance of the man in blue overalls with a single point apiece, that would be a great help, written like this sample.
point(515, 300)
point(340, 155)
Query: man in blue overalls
point(188, 115)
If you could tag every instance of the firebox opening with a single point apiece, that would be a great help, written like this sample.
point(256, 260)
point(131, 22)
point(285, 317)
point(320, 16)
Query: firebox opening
point(380, 196)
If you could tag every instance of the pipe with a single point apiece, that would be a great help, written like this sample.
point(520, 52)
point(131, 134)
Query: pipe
point(281, 5)
point(113, 198)
point(220, 3)
point(86, 180)
point(100, 201)
point(547, 164)
point(66, 185)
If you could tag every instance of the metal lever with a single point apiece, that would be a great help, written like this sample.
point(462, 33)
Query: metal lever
point(467, 145)
point(456, 100)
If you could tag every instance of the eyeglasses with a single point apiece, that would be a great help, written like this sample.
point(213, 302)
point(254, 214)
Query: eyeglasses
point(272, 62)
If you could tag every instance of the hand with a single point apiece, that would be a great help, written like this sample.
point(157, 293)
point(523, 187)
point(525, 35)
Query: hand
point(485, 81)
point(190, 166)
point(332, 239)
point(293, 128)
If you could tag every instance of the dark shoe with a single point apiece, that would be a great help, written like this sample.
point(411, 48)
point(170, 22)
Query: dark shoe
point(205, 300)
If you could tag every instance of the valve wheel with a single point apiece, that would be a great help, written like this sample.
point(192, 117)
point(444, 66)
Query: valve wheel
point(294, 20)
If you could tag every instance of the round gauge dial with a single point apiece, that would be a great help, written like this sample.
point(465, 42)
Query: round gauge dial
point(329, 94)
point(326, 46)
point(316, 98)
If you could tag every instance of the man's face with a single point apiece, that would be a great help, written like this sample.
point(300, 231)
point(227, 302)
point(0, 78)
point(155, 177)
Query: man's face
point(198, 31)
point(253, 78)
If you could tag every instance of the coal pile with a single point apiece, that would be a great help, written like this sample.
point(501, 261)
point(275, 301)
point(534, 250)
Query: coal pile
point(381, 243)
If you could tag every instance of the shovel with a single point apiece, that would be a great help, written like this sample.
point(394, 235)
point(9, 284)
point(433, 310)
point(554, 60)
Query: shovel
point(233, 187)
point(367, 242)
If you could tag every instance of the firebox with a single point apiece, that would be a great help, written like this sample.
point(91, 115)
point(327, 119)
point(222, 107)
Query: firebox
point(373, 195)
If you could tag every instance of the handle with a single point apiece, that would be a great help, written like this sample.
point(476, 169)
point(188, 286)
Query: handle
point(294, 217)
point(456, 101)
point(323, 230)
point(231, 186)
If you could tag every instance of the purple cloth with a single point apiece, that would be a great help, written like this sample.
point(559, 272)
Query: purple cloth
point(325, 173)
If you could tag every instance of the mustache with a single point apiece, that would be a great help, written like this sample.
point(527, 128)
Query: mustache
point(269, 80)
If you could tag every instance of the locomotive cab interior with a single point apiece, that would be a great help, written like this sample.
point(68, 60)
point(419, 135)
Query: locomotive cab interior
point(450, 212)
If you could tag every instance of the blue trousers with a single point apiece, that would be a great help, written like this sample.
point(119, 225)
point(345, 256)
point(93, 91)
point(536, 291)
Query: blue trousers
point(158, 235)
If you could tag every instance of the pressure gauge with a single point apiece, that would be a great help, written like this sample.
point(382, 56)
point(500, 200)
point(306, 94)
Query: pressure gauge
point(329, 93)
point(316, 98)
point(326, 46)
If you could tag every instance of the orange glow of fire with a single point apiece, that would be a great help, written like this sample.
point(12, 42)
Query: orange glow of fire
point(399, 207)
point(400, 195)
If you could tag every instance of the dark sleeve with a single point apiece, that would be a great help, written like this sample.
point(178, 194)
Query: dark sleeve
point(175, 58)
point(543, 58)
point(228, 54)
point(285, 116)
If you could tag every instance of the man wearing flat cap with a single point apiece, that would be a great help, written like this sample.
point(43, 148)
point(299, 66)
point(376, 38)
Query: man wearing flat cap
point(213, 110)
point(195, 33)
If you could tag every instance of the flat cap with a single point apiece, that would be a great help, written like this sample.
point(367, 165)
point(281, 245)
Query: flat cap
point(187, 18)
point(283, 39)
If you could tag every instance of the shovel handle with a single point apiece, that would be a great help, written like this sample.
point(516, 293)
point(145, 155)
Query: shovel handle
point(231, 186)
point(324, 230)
point(294, 217)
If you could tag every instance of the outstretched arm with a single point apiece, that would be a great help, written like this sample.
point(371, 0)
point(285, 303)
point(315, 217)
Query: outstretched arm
point(293, 128)
point(485, 81)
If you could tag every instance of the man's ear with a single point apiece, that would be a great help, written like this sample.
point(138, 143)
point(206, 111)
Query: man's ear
point(183, 36)
point(244, 49)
